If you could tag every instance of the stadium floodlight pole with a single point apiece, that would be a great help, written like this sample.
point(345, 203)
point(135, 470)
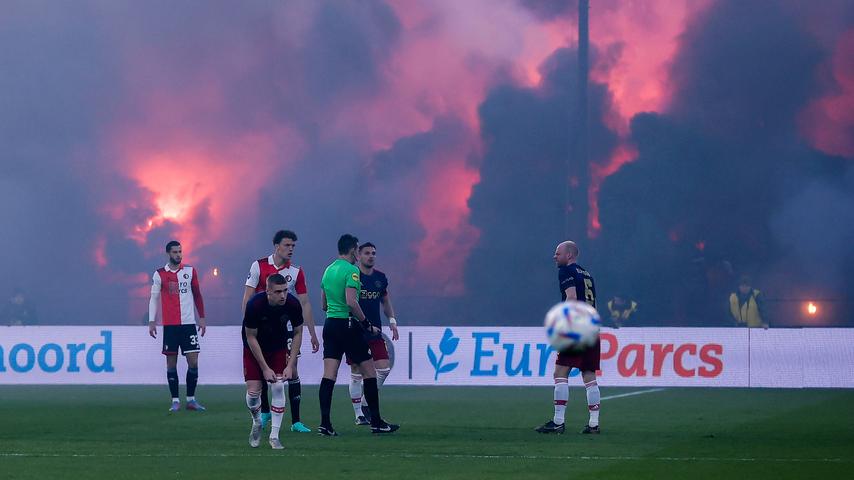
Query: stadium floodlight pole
point(583, 109)
point(577, 161)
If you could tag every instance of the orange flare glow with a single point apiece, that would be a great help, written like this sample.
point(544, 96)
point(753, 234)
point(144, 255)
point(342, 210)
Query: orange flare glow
point(812, 308)
point(621, 155)
point(448, 234)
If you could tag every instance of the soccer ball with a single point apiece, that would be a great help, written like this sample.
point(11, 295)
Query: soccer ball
point(572, 326)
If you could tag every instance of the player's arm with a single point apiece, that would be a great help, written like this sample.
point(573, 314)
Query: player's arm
point(252, 281)
point(567, 284)
point(152, 305)
point(302, 294)
point(388, 310)
point(309, 320)
point(255, 348)
point(198, 301)
point(323, 303)
point(247, 294)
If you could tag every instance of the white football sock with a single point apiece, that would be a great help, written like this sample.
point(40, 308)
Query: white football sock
point(277, 406)
point(382, 374)
point(356, 393)
point(561, 397)
point(253, 402)
point(593, 399)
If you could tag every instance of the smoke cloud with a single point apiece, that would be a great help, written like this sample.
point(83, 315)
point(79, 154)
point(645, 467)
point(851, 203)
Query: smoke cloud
point(441, 131)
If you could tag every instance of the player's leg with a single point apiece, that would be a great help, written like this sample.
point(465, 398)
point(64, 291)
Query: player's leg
point(356, 393)
point(170, 350)
point(383, 367)
point(593, 399)
point(359, 352)
point(379, 353)
point(190, 348)
point(192, 380)
point(253, 403)
point(561, 396)
point(172, 378)
point(589, 365)
point(561, 393)
point(372, 396)
point(277, 361)
point(265, 404)
point(295, 397)
point(368, 372)
point(333, 351)
point(327, 386)
point(253, 377)
point(277, 410)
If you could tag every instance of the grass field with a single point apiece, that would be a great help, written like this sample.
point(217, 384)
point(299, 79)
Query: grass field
point(124, 432)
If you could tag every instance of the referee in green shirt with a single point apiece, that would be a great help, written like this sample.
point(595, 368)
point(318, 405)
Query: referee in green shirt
point(344, 333)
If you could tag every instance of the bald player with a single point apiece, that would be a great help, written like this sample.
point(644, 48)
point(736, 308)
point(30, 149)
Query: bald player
point(576, 283)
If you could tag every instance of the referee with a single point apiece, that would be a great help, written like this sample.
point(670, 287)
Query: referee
point(344, 334)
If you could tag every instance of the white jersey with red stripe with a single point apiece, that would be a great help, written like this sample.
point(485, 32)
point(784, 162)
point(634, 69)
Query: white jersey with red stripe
point(264, 267)
point(179, 296)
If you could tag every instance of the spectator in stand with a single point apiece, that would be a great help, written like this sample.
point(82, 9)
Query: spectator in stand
point(18, 311)
point(745, 305)
point(621, 311)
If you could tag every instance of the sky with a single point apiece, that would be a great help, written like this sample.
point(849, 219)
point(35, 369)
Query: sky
point(721, 141)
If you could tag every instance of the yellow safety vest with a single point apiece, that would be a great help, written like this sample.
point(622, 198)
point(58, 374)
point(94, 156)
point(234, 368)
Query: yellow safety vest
point(748, 312)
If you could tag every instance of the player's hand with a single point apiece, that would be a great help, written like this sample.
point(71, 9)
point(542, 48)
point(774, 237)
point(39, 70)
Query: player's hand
point(315, 343)
point(152, 329)
point(394, 334)
point(269, 375)
point(288, 373)
point(202, 327)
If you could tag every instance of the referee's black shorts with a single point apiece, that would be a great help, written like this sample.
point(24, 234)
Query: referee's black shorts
point(340, 337)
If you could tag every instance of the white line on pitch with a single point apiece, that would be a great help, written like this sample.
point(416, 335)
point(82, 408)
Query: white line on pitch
point(429, 455)
point(639, 392)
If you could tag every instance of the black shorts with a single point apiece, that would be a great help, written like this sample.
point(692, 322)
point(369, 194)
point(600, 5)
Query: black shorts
point(180, 336)
point(340, 337)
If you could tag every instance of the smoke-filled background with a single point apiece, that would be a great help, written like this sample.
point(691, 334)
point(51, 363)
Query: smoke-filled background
point(720, 140)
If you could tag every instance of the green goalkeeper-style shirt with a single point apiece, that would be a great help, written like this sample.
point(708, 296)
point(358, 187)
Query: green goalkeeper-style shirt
point(338, 277)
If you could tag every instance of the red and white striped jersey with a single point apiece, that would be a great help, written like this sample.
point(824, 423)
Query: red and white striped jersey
point(179, 295)
point(264, 267)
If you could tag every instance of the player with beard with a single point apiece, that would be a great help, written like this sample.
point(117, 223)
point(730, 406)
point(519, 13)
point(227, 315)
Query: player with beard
point(374, 295)
point(576, 283)
point(175, 292)
point(344, 333)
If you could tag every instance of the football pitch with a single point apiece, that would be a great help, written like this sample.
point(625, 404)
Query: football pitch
point(447, 432)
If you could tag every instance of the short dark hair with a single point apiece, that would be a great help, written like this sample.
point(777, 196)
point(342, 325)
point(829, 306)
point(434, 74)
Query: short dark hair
point(346, 243)
point(276, 279)
point(172, 243)
point(283, 234)
point(367, 245)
